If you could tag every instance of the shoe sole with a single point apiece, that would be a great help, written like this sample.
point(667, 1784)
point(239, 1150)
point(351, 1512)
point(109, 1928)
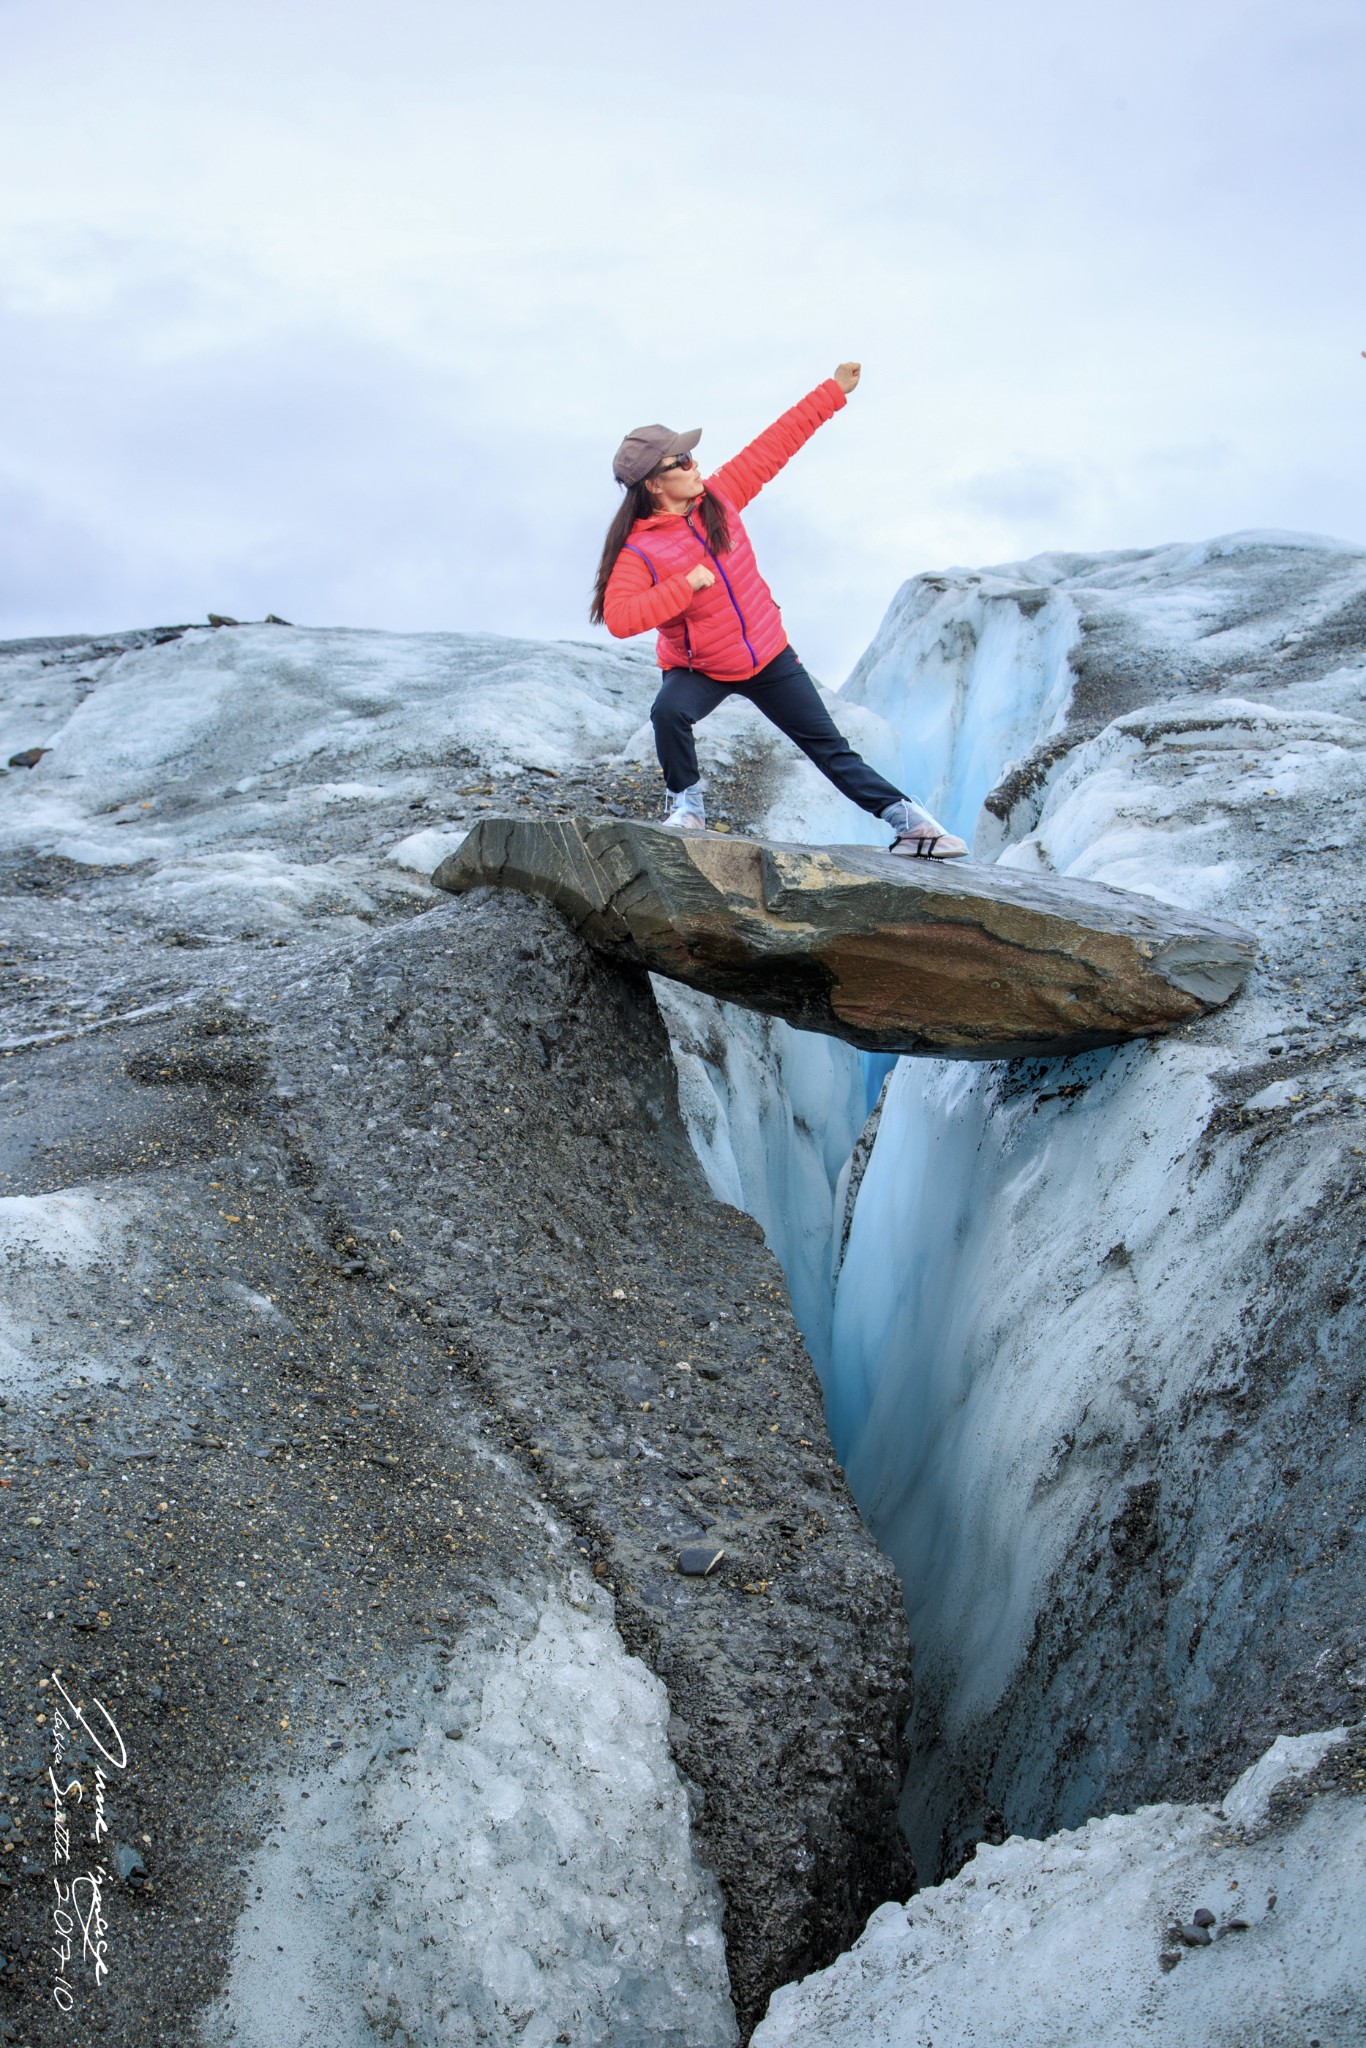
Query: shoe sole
point(927, 849)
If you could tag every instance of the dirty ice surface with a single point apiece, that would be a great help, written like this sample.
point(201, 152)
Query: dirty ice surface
point(513, 1860)
point(71, 1237)
point(211, 758)
point(1043, 1944)
point(509, 1863)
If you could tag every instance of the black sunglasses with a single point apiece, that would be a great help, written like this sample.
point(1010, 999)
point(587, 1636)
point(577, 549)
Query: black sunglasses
point(677, 462)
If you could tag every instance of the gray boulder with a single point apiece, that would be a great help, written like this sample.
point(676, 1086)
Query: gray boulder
point(893, 955)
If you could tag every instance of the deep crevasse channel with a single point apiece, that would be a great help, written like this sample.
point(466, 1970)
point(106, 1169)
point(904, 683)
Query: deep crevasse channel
point(961, 677)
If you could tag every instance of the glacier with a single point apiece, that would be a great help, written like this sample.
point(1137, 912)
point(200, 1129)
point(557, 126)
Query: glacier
point(1089, 1333)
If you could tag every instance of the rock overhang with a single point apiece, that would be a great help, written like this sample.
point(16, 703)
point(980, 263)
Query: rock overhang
point(892, 955)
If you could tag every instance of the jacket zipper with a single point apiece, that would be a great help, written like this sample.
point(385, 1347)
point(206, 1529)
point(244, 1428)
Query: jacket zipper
point(744, 632)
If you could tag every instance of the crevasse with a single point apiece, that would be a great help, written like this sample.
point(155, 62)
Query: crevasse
point(1054, 1291)
point(966, 672)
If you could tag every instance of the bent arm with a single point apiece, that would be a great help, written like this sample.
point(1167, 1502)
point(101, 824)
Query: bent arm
point(634, 603)
point(745, 475)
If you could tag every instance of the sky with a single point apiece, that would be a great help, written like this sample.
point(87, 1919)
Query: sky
point(340, 312)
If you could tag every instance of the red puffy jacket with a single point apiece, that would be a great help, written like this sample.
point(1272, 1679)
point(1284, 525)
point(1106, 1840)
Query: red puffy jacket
point(733, 627)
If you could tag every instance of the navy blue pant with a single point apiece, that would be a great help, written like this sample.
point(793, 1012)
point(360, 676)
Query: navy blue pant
point(786, 695)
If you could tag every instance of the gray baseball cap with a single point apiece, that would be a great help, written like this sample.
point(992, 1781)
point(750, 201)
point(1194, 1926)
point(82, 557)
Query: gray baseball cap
point(646, 446)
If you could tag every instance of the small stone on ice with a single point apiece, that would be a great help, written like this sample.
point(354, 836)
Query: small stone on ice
point(1203, 1917)
point(699, 1559)
point(1196, 1937)
point(1169, 1958)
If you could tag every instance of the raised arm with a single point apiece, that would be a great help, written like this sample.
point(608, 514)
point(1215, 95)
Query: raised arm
point(745, 475)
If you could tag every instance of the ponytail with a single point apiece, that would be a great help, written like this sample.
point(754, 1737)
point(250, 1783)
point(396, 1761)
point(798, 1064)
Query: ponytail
point(638, 504)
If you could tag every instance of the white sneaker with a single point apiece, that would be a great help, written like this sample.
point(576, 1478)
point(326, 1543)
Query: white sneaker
point(920, 835)
point(685, 810)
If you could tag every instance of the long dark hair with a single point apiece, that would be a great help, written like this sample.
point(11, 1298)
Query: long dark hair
point(638, 504)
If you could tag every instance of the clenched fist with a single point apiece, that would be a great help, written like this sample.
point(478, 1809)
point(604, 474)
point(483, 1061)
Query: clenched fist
point(701, 577)
point(847, 376)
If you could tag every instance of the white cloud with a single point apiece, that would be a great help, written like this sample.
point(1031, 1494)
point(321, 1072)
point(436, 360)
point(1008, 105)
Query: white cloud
point(341, 313)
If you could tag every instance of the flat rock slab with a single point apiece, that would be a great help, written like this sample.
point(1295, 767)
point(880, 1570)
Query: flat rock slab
point(951, 961)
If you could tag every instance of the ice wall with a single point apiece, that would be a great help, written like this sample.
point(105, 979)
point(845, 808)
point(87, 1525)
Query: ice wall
point(1065, 1286)
point(968, 669)
point(1076, 1312)
point(773, 1115)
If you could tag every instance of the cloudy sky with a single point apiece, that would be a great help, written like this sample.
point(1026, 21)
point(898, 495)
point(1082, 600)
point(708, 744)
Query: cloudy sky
point(341, 311)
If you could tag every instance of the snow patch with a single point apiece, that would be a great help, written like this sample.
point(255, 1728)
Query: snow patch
point(531, 1879)
point(424, 851)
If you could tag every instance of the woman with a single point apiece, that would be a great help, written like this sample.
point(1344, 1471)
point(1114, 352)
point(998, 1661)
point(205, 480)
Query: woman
point(677, 558)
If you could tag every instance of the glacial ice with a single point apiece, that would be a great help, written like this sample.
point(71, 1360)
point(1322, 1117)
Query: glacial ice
point(509, 1863)
point(993, 1352)
point(1046, 1265)
point(207, 755)
point(987, 660)
point(1038, 1943)
point(773, 1114)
